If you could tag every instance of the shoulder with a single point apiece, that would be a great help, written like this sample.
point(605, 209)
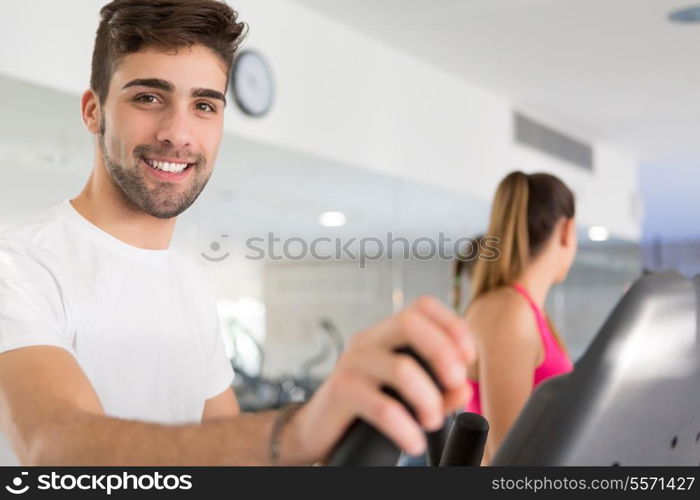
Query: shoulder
point(501, 305)
point(23, 259)
point(503, 314)
point(36, 240)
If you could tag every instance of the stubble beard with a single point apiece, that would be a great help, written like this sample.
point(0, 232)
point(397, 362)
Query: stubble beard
point(163, 201)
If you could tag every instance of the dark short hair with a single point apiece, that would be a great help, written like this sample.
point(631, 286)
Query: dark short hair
point(128, 26)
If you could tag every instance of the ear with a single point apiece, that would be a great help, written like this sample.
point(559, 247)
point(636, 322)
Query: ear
point(568, 232)
point(90, 111)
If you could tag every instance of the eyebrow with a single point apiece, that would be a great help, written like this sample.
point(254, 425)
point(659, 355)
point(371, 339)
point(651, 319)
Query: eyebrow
point(166, 86)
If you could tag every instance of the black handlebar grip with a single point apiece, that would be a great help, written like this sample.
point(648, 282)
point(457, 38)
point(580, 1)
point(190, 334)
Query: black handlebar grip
point(437, 440)
point(465, 444)
point(363, 445)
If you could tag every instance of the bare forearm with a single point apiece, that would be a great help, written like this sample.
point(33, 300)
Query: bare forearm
point(86, 439)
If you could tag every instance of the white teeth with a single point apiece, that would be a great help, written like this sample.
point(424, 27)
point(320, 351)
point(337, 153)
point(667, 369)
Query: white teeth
point(167, 167)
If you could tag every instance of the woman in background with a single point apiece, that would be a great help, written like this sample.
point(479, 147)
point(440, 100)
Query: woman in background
point(517, 346)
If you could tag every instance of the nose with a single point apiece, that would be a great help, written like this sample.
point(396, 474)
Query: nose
point(176, 128)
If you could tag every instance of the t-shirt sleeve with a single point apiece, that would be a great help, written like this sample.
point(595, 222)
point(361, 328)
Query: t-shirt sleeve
point(32, 307)
point(220, 369)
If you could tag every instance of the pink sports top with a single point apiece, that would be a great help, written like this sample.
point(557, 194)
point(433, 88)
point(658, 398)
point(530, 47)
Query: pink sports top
point(556, 361)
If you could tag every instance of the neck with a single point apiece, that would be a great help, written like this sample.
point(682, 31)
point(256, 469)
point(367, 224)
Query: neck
point(537, 280)
point(104, 205)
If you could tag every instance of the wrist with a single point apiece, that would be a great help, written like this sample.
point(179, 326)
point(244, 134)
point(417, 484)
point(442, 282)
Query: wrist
point(286, 443)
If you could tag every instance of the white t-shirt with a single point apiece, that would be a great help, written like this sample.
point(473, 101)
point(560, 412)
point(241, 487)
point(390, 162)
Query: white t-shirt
point(142, 324)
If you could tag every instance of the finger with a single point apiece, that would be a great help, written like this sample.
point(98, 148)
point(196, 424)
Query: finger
point(457, 399)
point(403, 374)
point(451, 323)
point(386, 415)
point(414, 329)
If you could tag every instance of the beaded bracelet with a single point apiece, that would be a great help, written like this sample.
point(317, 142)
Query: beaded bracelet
point(282, 417)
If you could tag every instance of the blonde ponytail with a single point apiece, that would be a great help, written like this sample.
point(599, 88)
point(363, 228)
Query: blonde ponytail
point(509, 224)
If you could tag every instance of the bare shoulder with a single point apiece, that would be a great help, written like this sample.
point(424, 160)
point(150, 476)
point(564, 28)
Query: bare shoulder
point(502, 313)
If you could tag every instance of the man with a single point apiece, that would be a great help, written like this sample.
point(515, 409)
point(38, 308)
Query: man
point(109, 341)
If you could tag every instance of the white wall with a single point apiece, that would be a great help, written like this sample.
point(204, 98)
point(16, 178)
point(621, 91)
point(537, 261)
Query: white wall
point(349, 98)
point(401, 116)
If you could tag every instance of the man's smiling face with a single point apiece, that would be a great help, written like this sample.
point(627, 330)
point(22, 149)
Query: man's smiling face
point(161, 126)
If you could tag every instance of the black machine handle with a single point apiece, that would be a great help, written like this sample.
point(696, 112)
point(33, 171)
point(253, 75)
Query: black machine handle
point(465, 444)
point(364, 445)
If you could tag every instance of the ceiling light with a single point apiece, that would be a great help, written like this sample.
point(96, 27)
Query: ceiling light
point(332, 219)
point(686, 15)
point(598, 233)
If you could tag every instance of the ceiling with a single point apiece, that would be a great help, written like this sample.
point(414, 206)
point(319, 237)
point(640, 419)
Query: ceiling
point(613, 71)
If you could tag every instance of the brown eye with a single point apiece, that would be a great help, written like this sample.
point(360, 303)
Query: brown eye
point(144, 98)
point(207, 107)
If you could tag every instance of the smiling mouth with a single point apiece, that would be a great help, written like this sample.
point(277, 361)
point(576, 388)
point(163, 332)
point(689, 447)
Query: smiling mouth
point(164, 166)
